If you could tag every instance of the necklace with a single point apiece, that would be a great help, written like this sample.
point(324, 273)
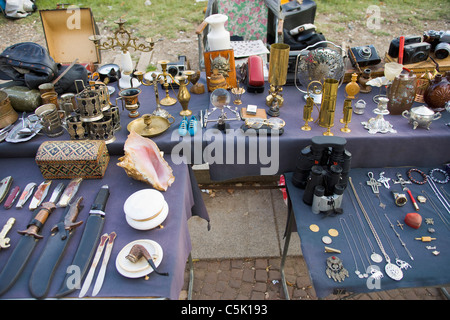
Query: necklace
point(402, 264)
point(398, 236)
point(358, 273)
point(377, 258)
point(392, 270)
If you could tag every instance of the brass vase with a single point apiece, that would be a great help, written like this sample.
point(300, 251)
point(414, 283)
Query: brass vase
point(131, 98)
point(183, 95)
point(328, 105)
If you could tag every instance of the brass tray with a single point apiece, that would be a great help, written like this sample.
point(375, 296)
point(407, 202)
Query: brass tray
point(150, 125)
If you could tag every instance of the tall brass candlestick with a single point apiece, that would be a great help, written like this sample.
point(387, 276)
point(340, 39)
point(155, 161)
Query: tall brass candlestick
point(278, 65)
point(347, 115)
point(328, 105)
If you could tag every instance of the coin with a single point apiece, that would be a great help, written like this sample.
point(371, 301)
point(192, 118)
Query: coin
point(326, 239)
point(333, 232)
point(314, 228)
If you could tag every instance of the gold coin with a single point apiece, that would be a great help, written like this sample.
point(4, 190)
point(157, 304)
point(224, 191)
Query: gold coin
point(333, 232)
point(314, 228)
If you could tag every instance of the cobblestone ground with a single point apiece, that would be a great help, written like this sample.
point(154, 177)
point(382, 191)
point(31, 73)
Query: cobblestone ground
point(260, 279)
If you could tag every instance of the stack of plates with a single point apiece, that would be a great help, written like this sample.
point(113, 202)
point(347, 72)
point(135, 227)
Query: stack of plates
point(145, 209)
point(141, 268)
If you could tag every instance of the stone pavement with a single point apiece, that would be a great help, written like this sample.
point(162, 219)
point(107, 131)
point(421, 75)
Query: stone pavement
point(260, 279)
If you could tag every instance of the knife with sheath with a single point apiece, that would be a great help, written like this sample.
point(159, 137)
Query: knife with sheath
point(43, 271)
point(22, 252)
point(88, 243)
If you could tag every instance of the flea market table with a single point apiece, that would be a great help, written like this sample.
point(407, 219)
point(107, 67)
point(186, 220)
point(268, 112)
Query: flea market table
point(350, 233)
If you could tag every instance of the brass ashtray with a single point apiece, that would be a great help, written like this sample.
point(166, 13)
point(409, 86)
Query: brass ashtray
point(150, 125)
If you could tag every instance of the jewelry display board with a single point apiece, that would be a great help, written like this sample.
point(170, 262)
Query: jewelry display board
point(418, 257)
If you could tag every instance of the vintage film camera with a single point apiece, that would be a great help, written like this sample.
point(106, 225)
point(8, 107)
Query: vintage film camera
point(439, 41)
point(414, 49)
point(364, 56)
point(177, 68)
point(325, 163)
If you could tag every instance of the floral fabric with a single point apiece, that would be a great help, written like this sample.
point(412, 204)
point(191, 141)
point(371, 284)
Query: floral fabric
point(246, 18)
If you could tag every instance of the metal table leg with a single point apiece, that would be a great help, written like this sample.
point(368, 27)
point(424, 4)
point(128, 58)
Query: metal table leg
point(287, 235)
point(191, 276)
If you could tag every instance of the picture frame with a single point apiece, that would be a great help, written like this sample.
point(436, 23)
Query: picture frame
point(223, 61)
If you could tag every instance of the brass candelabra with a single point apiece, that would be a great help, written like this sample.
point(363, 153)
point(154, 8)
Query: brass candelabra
point(122, 39)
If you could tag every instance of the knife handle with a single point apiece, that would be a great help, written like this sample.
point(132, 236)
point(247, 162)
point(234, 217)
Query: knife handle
point(38, 221)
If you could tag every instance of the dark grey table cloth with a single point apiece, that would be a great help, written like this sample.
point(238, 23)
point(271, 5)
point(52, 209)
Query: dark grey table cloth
point(174, 238)
point(236, 154)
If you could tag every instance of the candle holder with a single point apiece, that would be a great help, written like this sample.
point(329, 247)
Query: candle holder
point(307, 110)
point(123, 40)
point(347, 115)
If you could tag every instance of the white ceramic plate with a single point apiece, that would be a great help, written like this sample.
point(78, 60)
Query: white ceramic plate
point(141, 268)
point(144, 204)
point(151, 223)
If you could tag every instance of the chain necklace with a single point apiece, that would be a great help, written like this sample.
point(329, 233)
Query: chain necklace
point(377, 258)
point(402, 264)
point(398, 236)
point(392, 270)
point(358, 273)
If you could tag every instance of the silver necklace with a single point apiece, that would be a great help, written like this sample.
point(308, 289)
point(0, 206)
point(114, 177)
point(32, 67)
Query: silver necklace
point(392, 270)
point(401, 263)
point(358, 273)
point(399, 238)
point(375, 257)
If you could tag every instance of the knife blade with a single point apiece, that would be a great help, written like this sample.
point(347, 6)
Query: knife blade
point(69, 192)
point(88, 242)
point(102, 272)
point(57, 193)
point(26, 194)
point(5, 184)
point(90, 275)
point(22, 252)
point(12, 197)
point(40, 194)
point(43, 271)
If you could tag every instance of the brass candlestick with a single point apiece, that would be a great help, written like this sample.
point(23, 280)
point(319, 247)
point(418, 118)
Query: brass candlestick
point(328, 105)
point(278, 65)
point(307, 110)
point(167, 100)
point(347, 115)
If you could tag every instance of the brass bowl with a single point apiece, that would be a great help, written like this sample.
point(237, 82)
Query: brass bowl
point(150, 125)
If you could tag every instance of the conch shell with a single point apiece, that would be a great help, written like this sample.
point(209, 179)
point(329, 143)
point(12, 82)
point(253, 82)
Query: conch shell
point(143, 161)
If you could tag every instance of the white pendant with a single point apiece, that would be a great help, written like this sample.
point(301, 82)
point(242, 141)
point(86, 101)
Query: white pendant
point(376, 257)
point(393, 271)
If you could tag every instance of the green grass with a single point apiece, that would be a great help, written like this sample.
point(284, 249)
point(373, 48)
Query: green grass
point(163, 18)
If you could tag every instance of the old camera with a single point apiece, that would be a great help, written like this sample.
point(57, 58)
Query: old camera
point(395, 44)
point(177, 68)
point(364, 56)
point(416, 52)
point(439, 41)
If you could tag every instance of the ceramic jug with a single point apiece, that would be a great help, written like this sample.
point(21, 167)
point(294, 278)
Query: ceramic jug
point(438, 92)
point(402, 93)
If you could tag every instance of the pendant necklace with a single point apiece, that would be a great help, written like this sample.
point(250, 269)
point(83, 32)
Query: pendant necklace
point(358, 273)
point(392, 270)
point(399, 238)
point(401, 263)
point(375, 257)
point(375, 272)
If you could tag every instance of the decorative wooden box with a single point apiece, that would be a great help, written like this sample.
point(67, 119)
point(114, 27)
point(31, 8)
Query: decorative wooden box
point(72, 159)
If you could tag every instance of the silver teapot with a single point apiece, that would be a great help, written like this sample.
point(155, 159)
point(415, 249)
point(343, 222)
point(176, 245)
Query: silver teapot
point(421, 116)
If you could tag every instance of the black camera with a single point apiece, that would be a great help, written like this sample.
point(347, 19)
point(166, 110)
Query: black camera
point(325, 162)
point(177, 68)
point(416, 52)
point(364, 56)
point(439, 41)
point(394, 46)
